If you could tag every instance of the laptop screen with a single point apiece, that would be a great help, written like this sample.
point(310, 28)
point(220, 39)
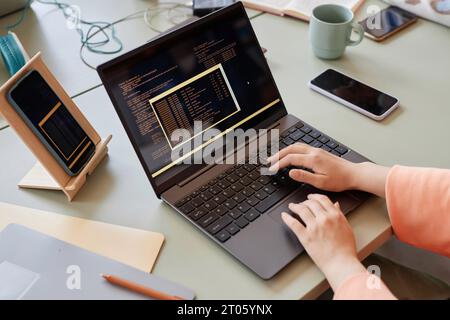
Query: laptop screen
point(209, 74)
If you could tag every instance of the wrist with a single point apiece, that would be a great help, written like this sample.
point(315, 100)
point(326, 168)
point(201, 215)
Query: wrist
point(342, 268)
point(370, 177)
point(359, 175)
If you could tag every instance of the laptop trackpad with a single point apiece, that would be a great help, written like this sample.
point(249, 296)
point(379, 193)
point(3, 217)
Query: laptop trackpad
point(296, 197)
point(346, 202)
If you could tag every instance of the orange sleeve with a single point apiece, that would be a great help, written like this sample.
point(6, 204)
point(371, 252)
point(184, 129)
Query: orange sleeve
point(363, 286)
point(418, 201)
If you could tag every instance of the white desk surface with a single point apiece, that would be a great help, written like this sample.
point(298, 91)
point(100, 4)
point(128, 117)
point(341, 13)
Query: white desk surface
point(411, 66)
point(44, 29)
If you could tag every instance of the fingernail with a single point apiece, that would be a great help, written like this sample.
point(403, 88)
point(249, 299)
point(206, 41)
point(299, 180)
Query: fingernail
point(273, 168)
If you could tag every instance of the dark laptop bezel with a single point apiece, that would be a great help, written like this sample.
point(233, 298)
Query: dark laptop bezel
point(265, 118)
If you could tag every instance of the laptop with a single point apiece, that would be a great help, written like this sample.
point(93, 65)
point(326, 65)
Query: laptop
point(213, 69)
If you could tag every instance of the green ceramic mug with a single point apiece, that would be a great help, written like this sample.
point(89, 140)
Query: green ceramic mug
point(330, 30)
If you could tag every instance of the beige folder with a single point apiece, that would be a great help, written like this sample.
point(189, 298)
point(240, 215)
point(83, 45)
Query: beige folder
point(134, 247)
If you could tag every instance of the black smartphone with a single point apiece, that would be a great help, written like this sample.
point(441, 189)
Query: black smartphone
point(51, 122)
point(387, 22)
point(354, 94)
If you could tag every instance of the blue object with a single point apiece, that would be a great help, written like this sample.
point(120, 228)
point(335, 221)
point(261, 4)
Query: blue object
point(11, 53)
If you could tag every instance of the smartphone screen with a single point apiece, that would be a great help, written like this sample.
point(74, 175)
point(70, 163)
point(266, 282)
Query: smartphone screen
point(354, 92)
point(387, 21)
point(50, 120)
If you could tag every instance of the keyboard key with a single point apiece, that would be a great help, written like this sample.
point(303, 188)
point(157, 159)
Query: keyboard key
point(228, 193)
point(180, 203)
point(223, 236)
point(252, 201)
point(232, 178)
point(269, 189)
point(208, 219)
point(299, 125)
point(213, 182)
point(335, 153)
point(197, 214)
point(247, 192)
point(237, 187)
point(239, 197)
point(230, 204)
point(293, 129)
point(307, 139)
point(261, 195)
point(242, 222)
point(243, 207)
point(284, 134)
point(249, 167)
point(197, 202)
point(195, 193)
point(206, 195)
point(254, 175)
point(215, 189)
point(220, 210)
point(219, 199)
point(316, 144)
point(296, 135)
point(187, 208)
point(232, 229)
point(235, 214)
point(241, 172)
point(210, 205)
point(218, 225)
point(306, 129)
point(282, 179)
point(323, 139)
point(264, 180)
point(223, 184)
point(315, 134)
point(332, 144)
point(245, 181)
point(221, 176)
point(256, 185)
point(251, 215)
point(324, 147)
point(275, 197)
point(288, 141)
point(341, 149)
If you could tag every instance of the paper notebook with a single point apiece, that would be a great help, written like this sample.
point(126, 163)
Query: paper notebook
point(134, 247)
point(300, 9)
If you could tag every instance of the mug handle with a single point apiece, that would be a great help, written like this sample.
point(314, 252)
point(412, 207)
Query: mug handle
point(359, 30)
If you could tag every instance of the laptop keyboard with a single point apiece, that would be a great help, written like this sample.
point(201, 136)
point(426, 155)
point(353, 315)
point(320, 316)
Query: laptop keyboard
point(237, 197)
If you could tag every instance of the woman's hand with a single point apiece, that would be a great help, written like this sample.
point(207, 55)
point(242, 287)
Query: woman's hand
point(326, 236)
point(330, 172)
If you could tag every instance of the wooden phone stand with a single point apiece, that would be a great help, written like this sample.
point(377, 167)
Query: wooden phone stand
point(48, 173)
